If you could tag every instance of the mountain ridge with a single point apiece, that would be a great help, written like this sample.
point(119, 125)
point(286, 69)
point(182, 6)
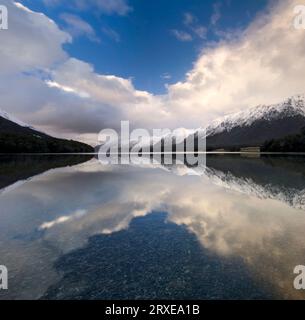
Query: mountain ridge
point(18, 137)
point(292, 106)
point(254, 126)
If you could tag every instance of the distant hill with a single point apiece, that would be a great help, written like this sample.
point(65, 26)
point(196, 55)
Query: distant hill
point(17, 137)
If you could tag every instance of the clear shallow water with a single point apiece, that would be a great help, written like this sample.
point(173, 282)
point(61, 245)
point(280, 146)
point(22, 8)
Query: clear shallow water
point(87, 231)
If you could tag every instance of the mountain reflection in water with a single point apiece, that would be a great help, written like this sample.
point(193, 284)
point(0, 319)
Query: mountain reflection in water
point(232, 230)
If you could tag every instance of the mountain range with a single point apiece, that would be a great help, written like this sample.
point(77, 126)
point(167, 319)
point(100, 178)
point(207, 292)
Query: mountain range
point(277, 127)
point(18, 137)
point(256, 126)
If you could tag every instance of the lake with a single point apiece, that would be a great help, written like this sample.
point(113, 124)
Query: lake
point(72, 228)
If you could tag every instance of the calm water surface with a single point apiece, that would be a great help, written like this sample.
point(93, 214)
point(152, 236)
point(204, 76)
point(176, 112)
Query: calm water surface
point(71, 228)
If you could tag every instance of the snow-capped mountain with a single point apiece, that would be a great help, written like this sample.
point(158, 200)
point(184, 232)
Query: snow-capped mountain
point(251, 127)
point(255, 126)
point(290, 107)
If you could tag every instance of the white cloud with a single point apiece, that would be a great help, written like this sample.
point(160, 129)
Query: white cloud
point(200, 31)
point(216, 13)
point(191, 22)
point(166, 76)
point(189, 18)
point(182, 35)
point(77, 27)
point(53, 84)
point(112, 34)
point(32, 41)
point(75, 215)
point(120, 7)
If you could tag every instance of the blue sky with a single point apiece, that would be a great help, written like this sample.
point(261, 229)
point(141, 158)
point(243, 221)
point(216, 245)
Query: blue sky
point(154, 42)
